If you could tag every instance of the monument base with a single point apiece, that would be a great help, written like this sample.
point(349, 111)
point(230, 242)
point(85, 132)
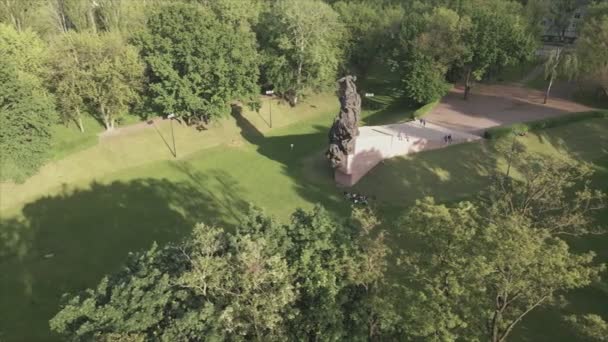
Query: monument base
point(376, 143)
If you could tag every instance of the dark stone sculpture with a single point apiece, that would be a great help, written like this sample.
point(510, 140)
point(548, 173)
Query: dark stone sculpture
point(345, 128)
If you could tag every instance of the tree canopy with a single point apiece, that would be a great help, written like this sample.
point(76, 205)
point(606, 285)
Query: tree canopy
point(592, 46)
point(301, 46)
point(265, 282)
point(26, 109)
point(197, 63)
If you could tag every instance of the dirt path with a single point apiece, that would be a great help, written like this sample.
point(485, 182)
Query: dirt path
point(497, 105)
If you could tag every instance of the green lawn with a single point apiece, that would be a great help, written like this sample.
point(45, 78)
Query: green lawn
point(77, 220)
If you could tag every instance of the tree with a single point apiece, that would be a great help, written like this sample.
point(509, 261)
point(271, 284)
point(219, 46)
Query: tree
point(425, 63)
point(266, 282)
point(374, 312)
point(368, 34)
point(26, 50)
point(18, 13)
point(498, 37)
point(592, 46)
point(97, 72)
point(552, 195)
point(536, 11)
point(300, 43)
point(473, 279)
point(560, 63)
point(424, 81)
point(26, 110)
point(197, 64)
point(69, 79)
point(590, 326)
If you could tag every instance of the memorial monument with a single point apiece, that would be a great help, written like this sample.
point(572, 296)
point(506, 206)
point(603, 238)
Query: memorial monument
point(353, 151)
point(345, 128)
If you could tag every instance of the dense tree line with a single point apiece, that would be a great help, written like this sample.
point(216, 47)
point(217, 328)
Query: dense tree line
point(472, 270)
point(193, 58)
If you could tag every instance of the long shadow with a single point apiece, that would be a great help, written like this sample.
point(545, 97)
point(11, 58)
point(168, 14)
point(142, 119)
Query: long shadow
point(164, 140)
point(294, 153)
point(68, 242)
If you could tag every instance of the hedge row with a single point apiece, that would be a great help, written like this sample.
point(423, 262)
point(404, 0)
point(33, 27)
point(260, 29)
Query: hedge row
point(424, 109)
point(501, 131)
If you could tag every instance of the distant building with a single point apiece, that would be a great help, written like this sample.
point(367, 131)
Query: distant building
point(551, 33)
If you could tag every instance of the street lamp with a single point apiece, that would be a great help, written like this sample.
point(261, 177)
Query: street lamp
point(270, 93)
point(170, 117)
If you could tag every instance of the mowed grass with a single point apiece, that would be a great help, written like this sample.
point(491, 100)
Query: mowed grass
point(77, 220)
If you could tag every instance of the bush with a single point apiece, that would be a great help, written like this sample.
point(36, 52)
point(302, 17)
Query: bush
point(424, 110)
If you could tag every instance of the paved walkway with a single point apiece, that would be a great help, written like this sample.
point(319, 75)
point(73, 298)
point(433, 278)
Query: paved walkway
point(488, 106)
point(497, 105)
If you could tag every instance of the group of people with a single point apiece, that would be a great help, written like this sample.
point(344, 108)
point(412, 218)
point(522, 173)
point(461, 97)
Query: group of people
point(356, 198)
point(422, 122)
point(447, 139)
point(403, 135)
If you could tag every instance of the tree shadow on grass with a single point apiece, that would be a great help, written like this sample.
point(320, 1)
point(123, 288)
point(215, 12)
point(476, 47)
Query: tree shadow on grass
point(68, 242)
point(294, 153)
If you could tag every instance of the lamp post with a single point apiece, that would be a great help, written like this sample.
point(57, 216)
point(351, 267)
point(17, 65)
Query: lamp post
point(170, 117)
point(270, 93)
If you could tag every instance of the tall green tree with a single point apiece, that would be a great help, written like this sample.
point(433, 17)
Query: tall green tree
point(592, 46)
point(499, 36)
point(98, 71)
point(301, 44)
point(265, 282)
point(197, 63)
point(369, 32)
point(425, 61)
point(18, 13)
point(481, 278)
point(561, 63)
point(26, 109)
point(70, 79)
point(552, 195)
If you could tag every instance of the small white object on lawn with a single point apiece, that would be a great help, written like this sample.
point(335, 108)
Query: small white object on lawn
point(291, 147)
